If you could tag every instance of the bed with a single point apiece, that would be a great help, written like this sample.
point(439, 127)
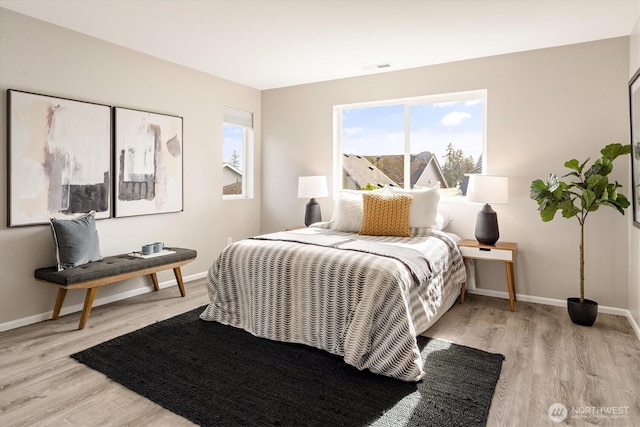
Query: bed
point(360, 296)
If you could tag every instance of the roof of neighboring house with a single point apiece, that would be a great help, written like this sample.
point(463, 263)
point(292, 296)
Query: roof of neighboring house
point(232, 168)
point(361, 171)
point(428, 170)
point(392, 165)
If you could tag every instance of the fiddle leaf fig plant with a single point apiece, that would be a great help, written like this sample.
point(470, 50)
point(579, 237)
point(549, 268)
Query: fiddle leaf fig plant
point(588, 190)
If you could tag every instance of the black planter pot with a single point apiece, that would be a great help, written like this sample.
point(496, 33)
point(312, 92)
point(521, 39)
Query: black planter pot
point(582, 314)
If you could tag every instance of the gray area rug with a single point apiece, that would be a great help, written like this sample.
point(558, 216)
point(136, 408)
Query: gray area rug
point(217, 375)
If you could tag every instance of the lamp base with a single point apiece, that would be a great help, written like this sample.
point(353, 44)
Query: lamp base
point(312, 214)
point(487, 231)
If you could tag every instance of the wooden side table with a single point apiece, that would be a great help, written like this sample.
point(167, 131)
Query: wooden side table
point(501, 251)
point(297, 227)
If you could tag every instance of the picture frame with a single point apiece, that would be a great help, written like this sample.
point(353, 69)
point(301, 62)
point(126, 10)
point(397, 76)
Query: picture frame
point(148, 162)
point(634, 111)
point(59, 158)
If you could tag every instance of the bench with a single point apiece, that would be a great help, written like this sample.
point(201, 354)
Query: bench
point(110, 270)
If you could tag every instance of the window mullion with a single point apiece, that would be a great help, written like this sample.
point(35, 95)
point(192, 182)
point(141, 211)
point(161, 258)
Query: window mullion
point(407, 146)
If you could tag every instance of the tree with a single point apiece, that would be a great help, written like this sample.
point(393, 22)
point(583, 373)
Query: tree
point(235, 160)
point(456, 165)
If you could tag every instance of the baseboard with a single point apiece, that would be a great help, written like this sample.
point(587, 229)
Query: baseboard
point(13, 324)
point(145, 289)
point(559, 303)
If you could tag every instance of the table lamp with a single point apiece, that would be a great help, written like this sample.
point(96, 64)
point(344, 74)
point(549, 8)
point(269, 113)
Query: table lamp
point(487, 189)
point(312, 187)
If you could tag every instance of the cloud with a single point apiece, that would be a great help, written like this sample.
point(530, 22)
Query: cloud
point(352, 131)
point(454, 118)
point(472, 102)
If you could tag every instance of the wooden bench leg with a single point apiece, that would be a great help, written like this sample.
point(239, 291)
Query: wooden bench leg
point(154, 279)
point(463, 292)
point(62, 292)
point(178, 274)
point(88, 303)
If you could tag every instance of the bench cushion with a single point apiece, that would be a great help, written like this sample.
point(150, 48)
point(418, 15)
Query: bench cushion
point(110, 266)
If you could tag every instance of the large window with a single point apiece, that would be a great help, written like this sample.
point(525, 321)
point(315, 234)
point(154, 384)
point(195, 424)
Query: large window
point(416, 141)
point(237, 148)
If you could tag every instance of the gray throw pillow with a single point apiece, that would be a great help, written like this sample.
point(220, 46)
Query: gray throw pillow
point(76, 241)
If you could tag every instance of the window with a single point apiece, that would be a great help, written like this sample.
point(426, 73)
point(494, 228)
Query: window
point(417, 141)
point(237, 150)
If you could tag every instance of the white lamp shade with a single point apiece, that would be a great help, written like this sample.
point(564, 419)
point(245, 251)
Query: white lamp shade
point(312, 186)
point(488, 189)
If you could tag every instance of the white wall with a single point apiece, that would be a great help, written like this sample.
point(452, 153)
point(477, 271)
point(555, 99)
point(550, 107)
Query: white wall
point(634, 233)
point(43, 58)
point(544, 107)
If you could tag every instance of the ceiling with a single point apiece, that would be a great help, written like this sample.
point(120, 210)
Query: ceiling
point(268, 44)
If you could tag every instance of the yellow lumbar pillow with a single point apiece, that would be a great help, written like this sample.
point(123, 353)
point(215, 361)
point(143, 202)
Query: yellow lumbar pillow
point(386, 215)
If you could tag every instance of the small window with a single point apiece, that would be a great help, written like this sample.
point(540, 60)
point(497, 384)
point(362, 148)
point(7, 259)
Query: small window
point(237, 149)
point(422, 141)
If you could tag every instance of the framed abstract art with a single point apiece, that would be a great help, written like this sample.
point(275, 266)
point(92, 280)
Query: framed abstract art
point(59, 158)
point(148, 163)
point(634, 110)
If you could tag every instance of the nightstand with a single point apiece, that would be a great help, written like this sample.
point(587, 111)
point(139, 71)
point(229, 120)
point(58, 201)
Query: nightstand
point(297, 227)
point(502, 251)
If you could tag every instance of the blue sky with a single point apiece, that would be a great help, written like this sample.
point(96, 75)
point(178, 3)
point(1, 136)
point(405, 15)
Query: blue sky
point(380, 130)
point(232, 140)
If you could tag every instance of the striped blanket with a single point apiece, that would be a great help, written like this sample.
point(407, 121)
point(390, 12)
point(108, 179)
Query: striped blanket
point(413, 259)
point(361, 306)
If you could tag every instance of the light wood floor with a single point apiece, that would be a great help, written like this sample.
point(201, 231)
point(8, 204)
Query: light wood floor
point(548, 360)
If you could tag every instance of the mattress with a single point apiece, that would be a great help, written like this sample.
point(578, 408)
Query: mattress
point(364, 306)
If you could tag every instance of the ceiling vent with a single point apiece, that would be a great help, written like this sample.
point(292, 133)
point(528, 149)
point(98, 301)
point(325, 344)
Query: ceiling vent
point(375, 67)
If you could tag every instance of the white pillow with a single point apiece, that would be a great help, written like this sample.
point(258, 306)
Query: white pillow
point(424, 207)
point(348, 211)
point(442, 221)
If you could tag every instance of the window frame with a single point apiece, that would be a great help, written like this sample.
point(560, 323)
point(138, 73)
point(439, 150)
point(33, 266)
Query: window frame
point(244, 120)
point(408, 103)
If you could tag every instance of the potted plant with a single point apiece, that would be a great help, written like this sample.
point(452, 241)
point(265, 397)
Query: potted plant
point(589, 189)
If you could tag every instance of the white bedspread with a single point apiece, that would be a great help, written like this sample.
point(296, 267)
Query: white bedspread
point(363, 307)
